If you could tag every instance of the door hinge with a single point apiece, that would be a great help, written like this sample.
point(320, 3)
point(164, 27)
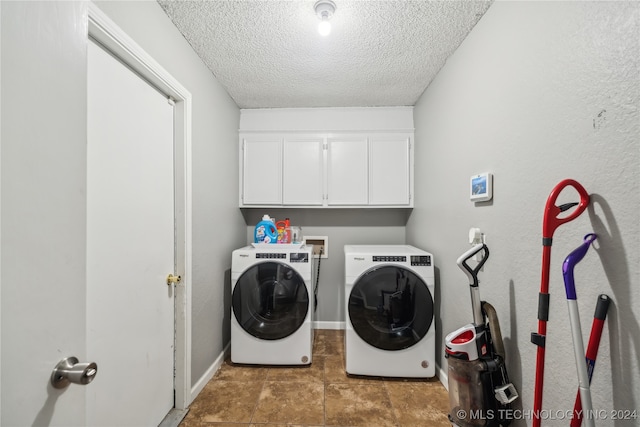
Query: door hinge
point(171, 101)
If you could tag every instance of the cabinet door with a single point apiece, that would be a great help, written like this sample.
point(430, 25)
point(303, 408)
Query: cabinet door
point(389, 170)
point(347, 171)
point(261, 171)
point(303, 178)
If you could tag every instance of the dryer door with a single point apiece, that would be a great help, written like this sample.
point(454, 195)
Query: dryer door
point(270, 300)
point(390, 307)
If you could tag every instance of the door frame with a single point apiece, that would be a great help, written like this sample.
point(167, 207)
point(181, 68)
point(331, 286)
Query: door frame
point(106, 32)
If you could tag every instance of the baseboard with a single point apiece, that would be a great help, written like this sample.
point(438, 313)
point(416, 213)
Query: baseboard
point(328, 325)
point(443, 377)
point(174, 418)
point(209, 373)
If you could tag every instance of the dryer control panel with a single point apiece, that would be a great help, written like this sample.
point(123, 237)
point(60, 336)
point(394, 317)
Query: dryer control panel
point(416, 260)
point(389, 258)
point(421, 260)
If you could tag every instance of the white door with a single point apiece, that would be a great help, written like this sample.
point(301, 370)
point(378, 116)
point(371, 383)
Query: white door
point(130, 246)
point(302, 171)
point(389, 170)
point(261, 170)
point(347, 171)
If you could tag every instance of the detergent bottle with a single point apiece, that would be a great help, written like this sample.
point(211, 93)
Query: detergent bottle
point(284, 231)
point(287, 231)
point(265, 231)
point(280, 229)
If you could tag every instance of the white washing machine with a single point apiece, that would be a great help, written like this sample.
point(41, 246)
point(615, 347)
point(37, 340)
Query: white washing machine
point(389, 311)
point(272, 304)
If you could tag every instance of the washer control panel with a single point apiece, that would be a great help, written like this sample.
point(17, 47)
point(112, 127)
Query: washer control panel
point(299, 257)
point(271, 255)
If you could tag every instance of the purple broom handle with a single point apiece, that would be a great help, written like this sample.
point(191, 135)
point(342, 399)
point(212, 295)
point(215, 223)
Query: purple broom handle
point(570, 262)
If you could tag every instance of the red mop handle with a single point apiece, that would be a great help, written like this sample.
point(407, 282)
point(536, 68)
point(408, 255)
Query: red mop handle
point(551, 212)
point(592, 352)
point(551, 221)
point(539, 338)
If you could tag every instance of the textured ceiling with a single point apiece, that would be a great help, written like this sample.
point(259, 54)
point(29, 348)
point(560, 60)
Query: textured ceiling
point(268, 54)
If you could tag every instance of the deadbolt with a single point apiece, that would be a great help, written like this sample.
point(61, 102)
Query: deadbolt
point(173, 279)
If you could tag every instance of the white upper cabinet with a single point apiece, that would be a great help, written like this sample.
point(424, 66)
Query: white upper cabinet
point(261, 170)
point(347, 171)
point(390, 170)
point(333, 157)
point(303, 171)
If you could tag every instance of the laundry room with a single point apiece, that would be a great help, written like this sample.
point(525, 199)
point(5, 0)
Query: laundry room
point(404, 107)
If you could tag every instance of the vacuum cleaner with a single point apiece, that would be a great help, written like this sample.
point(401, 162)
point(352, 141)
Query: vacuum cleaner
point(480, 393)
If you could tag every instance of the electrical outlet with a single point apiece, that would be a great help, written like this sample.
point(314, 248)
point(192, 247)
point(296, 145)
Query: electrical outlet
point(320, 245)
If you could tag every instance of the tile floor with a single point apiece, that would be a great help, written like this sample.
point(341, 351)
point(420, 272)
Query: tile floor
point(317, 395)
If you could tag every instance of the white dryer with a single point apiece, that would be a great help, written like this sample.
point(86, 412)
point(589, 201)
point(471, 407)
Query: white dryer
point(272, 309)
point(389, 311)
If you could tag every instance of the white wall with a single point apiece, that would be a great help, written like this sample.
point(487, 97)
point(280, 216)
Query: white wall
point(539, 92)
point(342, 119)
point(43, 194)
point(0, 223)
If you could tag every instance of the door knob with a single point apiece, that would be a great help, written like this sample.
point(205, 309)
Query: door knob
point(70, 371)
point(173, 279)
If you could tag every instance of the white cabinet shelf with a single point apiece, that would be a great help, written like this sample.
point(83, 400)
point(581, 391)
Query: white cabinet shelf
point(326, 169)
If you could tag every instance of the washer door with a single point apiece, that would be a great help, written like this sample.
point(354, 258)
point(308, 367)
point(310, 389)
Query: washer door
point(270, 300)
point(390, 307)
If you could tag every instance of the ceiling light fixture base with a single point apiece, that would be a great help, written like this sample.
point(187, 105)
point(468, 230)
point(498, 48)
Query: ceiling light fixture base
point(324, 9)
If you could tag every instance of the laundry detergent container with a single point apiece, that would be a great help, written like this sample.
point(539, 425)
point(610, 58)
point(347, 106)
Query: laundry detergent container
point(265, 231)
